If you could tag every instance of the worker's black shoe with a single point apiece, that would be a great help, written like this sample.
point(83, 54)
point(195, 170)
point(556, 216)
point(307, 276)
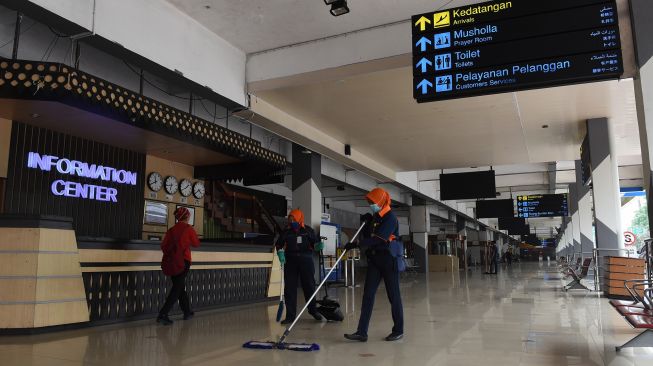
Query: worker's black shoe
point(189, 315)
point(394, 337)
point(287, 321)
point(317, 316)
point(356, 337)
point(164, 320)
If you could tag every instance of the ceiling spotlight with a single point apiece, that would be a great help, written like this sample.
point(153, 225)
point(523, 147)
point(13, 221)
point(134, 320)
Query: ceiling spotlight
point(545, 126)
point(338, 7)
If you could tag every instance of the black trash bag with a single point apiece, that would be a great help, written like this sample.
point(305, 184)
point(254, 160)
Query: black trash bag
point(330, 309)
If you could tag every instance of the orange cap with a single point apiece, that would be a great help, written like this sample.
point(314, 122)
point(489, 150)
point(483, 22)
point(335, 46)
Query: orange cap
point(298, 215)
point(381, 198)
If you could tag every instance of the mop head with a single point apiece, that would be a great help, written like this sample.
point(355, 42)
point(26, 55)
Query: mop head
point(300, 347)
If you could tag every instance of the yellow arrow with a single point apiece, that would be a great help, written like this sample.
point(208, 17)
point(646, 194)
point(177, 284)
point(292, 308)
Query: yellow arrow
point(422, 23)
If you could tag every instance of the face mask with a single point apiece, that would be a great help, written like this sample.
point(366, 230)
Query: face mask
point(375, 208)
point(294, 225)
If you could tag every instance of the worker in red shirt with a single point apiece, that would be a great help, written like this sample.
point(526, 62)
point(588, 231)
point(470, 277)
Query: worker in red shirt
point(176, 263)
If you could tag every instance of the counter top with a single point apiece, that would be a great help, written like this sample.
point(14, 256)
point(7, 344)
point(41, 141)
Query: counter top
point(234, 245)
point(36, 221)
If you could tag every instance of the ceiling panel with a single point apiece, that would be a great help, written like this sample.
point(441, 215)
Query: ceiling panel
point(257, 25)
point(377, 115)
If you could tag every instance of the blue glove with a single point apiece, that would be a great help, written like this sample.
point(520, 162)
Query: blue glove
point(319, 246)
point(282, 256)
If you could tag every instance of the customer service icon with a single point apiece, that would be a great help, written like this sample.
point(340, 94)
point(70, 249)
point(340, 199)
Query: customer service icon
point(443, 83)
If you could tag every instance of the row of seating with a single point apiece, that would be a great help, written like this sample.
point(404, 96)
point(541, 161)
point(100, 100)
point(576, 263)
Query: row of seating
point(638, 312)
point(577, 271)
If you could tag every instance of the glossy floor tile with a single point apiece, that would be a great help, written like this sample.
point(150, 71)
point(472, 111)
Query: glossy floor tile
point(519, 317)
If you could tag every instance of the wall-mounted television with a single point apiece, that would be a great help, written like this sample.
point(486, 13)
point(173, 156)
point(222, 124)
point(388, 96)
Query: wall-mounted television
point(515, 226)
point(495, 208)
point(156, 213)
point(472, 185)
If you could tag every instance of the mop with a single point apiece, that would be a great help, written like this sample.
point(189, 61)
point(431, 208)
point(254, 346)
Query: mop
point(280, 309)
point(304, 347)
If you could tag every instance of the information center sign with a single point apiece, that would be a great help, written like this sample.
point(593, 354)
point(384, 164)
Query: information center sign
point(502, 46)
point(544, 205)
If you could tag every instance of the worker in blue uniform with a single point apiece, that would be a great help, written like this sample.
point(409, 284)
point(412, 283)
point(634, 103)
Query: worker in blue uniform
point(381, 230)
point(295, 248)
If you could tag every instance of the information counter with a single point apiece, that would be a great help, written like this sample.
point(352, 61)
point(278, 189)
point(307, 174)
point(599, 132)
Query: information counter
point(49, 278)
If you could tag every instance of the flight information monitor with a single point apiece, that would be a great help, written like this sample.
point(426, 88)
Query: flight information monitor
point(543, 205)
point(495, 208)
point(503, 46)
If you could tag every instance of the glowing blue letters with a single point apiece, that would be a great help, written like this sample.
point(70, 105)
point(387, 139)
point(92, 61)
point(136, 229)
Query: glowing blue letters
point(81, 169)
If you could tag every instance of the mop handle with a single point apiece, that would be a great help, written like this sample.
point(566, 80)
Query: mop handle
point(285, 334)
point(283, 284)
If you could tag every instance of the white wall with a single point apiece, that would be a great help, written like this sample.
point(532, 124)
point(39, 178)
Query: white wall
point(159, 32)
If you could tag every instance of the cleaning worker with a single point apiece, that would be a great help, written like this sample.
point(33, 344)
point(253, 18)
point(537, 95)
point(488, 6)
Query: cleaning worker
point(295, 248)
point(176, 264)
point(382, 230)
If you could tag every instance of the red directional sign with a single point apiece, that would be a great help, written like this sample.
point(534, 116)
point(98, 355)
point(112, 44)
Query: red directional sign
point(629, 238)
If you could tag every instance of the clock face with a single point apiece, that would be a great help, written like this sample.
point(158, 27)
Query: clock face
point(155, 181)
point(171, 185)
point(198, 190)
point(185, 187)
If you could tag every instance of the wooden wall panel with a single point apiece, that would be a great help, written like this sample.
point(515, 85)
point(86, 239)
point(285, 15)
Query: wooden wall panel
point(5, 141)
point(28, 190)
point(41, 280)
point(17, 316)
point(179, 171)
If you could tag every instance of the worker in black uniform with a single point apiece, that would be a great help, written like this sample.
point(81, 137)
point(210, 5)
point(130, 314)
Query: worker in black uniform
point(382, 229)
point(295, 249)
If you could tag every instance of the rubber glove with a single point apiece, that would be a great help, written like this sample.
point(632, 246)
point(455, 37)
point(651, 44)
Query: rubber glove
point(319, 246)
point(367, 218)
point(282, 256)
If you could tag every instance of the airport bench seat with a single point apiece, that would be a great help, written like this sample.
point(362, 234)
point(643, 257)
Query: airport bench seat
point(576, 284)
point(640, 321)
point(628, 310)
point(638, 318)
point(629, 303)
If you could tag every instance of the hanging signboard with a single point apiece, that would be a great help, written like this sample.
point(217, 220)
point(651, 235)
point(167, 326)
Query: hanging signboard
point(502, 46)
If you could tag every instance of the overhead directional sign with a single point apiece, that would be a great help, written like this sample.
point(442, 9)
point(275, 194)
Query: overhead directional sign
point(513, 45)
point(543, 205)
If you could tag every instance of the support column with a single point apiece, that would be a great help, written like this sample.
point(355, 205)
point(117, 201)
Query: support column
point(420, 226)
point(642, 22)
point(569, 235)
point(462, 232)
point(306, 183)
point(605, 183)
point(585, 216)
point(575, 218)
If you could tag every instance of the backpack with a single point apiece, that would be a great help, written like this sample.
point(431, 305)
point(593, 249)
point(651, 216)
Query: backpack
point(397, 252)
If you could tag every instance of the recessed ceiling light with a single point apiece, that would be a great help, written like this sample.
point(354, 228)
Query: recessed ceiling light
point(207, 6)
point(35, 115)
point(545, 126)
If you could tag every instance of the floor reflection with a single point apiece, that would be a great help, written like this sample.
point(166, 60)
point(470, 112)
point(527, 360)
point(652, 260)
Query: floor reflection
point(518, 317)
